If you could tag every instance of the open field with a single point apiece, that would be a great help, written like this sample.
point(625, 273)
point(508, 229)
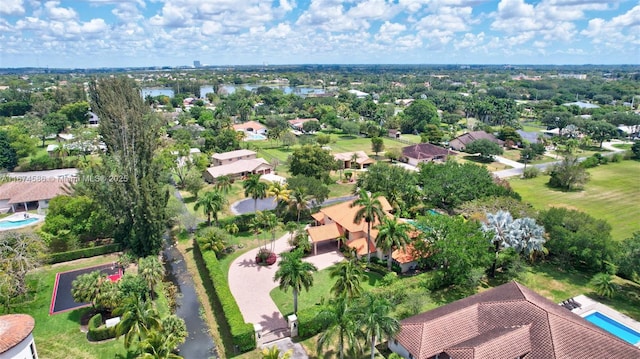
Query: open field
point(612, 194)
point(59, 335)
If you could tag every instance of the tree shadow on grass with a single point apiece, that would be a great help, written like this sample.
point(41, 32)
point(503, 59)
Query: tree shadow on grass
point(451, 294)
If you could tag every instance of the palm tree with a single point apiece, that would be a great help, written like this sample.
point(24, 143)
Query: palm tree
point(299, 201)
point(274, 353)
point(223, 183)
point(375, 321)
point(349, 274)
point(152, 271)
point(138, 318)
point(255, 189)
point(370, 210)
point(292, 228)
point(528, 237)
point(604, 285)
point(211, 203)
point(279, 192)
point(392, 233)
point(86, 287)
point(294, 273)
point(500, 224)
point(269, 222)
point(159, 345)
point(338, 319)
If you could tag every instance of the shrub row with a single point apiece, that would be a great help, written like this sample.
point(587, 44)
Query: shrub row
point(99, 332)
point(308, 323)
point(243, 221)
point(83, 253)
point(242, 333)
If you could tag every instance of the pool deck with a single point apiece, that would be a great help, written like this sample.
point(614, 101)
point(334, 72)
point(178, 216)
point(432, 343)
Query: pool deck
point(20, 216)
point(589, 306)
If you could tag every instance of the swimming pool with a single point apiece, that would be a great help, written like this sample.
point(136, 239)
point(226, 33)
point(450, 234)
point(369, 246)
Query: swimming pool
point(255, 137)
point(9, 224)
point(616, 328)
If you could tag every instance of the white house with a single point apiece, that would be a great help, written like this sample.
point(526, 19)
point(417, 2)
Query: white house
point(16, 338)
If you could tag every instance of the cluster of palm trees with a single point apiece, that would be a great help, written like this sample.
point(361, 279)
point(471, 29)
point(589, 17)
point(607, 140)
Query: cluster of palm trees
point(214, 201)
point(296, 199)
point(351, 315)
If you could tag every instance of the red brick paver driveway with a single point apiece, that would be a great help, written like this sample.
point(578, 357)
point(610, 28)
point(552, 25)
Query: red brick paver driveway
point(250, 284)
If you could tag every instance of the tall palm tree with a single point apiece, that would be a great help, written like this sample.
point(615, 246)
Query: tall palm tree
point(370, 210)
point(223, 183)
point(292, 228)
point(294, 273)
point(339, 320)
point(211, 203)
point(138, 318)
point(152, 271)
point(269, 222)
point(349, 274)
point(299, 201)
point(375, 321)
point(392, 233)
point(159, 345)
point(255, 189)
point(279, 192)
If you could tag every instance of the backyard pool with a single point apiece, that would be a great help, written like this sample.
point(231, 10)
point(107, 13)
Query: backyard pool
point(619, 330)
point(12, 224)
point(255, 137)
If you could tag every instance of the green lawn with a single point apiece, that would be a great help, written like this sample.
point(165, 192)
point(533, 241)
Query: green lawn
point(319, 292)
point(59, 335)
point(611, 194)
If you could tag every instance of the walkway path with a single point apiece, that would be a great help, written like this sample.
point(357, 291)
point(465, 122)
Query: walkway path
point(250, 284)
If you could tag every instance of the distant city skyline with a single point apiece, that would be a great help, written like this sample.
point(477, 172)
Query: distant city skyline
point(146, 33)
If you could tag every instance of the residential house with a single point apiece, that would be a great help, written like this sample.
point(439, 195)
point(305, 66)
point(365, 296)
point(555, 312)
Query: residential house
point(394, 133)
point(338, 221)
point(297, 123)
point(16, 337)
point(238, 169)
point(425, 152)
point(251, 127)
point(406, 258)
point(509, 321)
point(581, 105)
point(358, 94)
point(531, 137)
point(347, 158)
point(460, 143)
point(218, 159)
point(21, 195)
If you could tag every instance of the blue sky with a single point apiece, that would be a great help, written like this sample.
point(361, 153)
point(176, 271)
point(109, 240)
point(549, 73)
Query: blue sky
point(120, 33)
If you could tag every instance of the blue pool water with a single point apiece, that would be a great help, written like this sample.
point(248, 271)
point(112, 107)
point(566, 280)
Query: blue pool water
point(18, 223)
point(255, 137)
point(619, 330)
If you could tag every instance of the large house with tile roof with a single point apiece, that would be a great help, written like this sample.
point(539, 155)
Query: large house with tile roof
point(21, 195)
point(16, 337)
point(460, 143)
point(335, 222)
point(425, 152)
point(509, 321)
point(347, 158)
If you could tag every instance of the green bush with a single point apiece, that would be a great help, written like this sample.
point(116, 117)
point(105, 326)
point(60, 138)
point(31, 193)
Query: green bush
point(308, 322)
point(242, 333)
point(531, 172)
point(99, 332)
point(243, 221)
point(590, 162)
point(378, 268)
point(617, 157)
point(83, 253)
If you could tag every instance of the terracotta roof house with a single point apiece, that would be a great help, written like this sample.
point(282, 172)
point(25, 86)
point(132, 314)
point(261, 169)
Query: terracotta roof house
point(338, 220)
point(16, 338)
point(362, 161)
point(425, 152)
point(238, 168)
point(459, 143)
point(509, 321)
point(21, 194)
point(218, 159)
point(251, 127)
point(297, 123)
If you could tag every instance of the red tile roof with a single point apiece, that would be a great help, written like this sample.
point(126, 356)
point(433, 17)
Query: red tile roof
point(25, 191)
point(324, 232)
point(506, 322)
point(14, 328)
point(426, 152)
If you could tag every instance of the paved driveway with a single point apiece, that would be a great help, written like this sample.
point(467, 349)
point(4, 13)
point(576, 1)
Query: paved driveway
point(250, 284)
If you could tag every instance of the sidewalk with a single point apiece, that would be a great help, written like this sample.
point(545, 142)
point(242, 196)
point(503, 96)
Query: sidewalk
point(250, 285)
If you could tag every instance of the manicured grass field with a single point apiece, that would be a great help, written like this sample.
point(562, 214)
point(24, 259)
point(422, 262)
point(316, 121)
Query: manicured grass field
point(612, 194)
point(59, 335)
point(321, 290)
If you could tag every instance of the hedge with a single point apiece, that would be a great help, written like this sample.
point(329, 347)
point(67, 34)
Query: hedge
point(99, 332)
point(242, 333)
point(308, 323)
point(83, 253)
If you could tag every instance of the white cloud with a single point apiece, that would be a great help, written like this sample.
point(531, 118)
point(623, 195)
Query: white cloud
point(619, 32)
point(389, 31)
point(59, 13)
point(12, 7)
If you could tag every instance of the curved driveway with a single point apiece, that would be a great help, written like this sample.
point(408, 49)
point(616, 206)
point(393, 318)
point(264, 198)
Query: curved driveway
point(250, 284)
